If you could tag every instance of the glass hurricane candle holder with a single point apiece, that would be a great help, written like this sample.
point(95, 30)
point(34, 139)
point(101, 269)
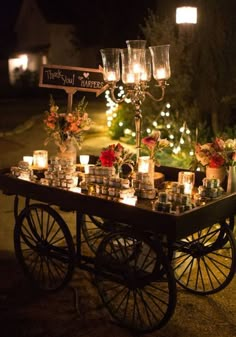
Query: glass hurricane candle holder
point(187, 179)
point(135, 66)
point(40, 159)
point(143, 164)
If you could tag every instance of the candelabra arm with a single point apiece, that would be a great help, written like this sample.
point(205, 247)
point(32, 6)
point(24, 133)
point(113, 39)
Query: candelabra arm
point(113, 97)
point(161, 85)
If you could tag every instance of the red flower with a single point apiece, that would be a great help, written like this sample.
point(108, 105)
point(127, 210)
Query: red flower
point(108, 157)
point(216, 160)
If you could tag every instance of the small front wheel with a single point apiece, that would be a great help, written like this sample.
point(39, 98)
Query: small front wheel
point(44, 247)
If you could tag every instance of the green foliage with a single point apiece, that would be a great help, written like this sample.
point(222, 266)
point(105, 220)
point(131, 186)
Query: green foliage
point(124, 120)
point(202, 87)
point(202, 57)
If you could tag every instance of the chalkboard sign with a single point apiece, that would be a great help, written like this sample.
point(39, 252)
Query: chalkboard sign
point(79, 79)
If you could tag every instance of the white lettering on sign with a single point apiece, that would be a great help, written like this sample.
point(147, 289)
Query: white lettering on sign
point(51, 75)
point(91, 84)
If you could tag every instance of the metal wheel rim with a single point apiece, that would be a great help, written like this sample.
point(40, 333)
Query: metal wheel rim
point(44, 247)
point(204, 263)
point(141, 295)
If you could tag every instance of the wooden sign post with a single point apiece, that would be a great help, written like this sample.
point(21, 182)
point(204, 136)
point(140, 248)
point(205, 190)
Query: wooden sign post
point(72, 79)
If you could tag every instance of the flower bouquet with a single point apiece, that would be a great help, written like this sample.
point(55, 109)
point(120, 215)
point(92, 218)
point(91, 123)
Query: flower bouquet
point(217, 157)
point(154, 144)
point(219, 153)
point(115, 155)
point(64, 127)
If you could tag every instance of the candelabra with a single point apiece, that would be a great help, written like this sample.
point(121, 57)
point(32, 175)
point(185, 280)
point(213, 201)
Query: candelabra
point(136, 65)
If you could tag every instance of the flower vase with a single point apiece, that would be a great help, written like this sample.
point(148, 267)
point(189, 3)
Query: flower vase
point(216, 173)
point(68, 152)
point(231, 182)
point(151, 171)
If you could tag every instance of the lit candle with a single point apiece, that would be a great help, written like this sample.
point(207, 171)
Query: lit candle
point(144, 76)
point(143, 164)
point(130, 78)
point(111, 76)
point(84, 159)
point(40, 159)
point(76, 189)
point(136, 68)
point(161, 74)
point(28, 159)
point(129, 200)
point(187, 179)
point(188, 188)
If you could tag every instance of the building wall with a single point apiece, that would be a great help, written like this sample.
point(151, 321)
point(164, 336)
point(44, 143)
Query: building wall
point(41, 40)
point(31, 28)
point(62, 51)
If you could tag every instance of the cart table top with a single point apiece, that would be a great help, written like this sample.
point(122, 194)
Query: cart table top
point(141, 216)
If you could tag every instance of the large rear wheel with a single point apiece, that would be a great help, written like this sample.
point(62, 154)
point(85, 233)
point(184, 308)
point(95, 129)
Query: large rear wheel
point(205, 262)
point(135, 281)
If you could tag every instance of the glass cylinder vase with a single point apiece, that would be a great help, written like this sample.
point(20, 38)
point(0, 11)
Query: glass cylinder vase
point(231, 182)
point(147, 165)
point(68, 152)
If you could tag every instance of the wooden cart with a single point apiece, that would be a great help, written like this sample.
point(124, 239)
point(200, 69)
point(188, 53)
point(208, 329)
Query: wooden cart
point(137, 255)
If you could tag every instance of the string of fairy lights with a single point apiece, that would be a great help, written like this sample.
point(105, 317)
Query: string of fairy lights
point(179, 137)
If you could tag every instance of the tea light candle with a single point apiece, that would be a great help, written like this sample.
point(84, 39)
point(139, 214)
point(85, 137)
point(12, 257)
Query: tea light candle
point(129, 200)
point(84, 159)
point(40, 159)
point(76, 189)
point(28, 159)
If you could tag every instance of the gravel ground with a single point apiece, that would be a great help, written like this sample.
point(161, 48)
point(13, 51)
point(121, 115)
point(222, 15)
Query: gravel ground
point(25, 313)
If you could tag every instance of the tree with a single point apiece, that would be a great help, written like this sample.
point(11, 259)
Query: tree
point(202, 84)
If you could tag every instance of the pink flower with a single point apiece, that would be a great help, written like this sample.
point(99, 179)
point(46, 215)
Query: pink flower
point(154, 143)
point(216, 154)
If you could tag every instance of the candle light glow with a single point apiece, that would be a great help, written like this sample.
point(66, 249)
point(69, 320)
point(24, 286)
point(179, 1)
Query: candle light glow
point(143, 164)
point(111, 76)
point(161, 74)
point(40, 159)
point(28, 159)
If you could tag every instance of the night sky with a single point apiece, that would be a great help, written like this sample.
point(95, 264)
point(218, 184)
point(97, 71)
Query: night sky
point(104, 19)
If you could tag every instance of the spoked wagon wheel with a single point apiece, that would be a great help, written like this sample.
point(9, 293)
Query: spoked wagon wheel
point(205, 262)
point(44, 247)
point(135, 281)
point(94, 228)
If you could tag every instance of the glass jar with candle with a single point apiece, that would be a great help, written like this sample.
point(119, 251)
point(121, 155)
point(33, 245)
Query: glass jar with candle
point(24, 170)
point(187, 180)
point(40, 159)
